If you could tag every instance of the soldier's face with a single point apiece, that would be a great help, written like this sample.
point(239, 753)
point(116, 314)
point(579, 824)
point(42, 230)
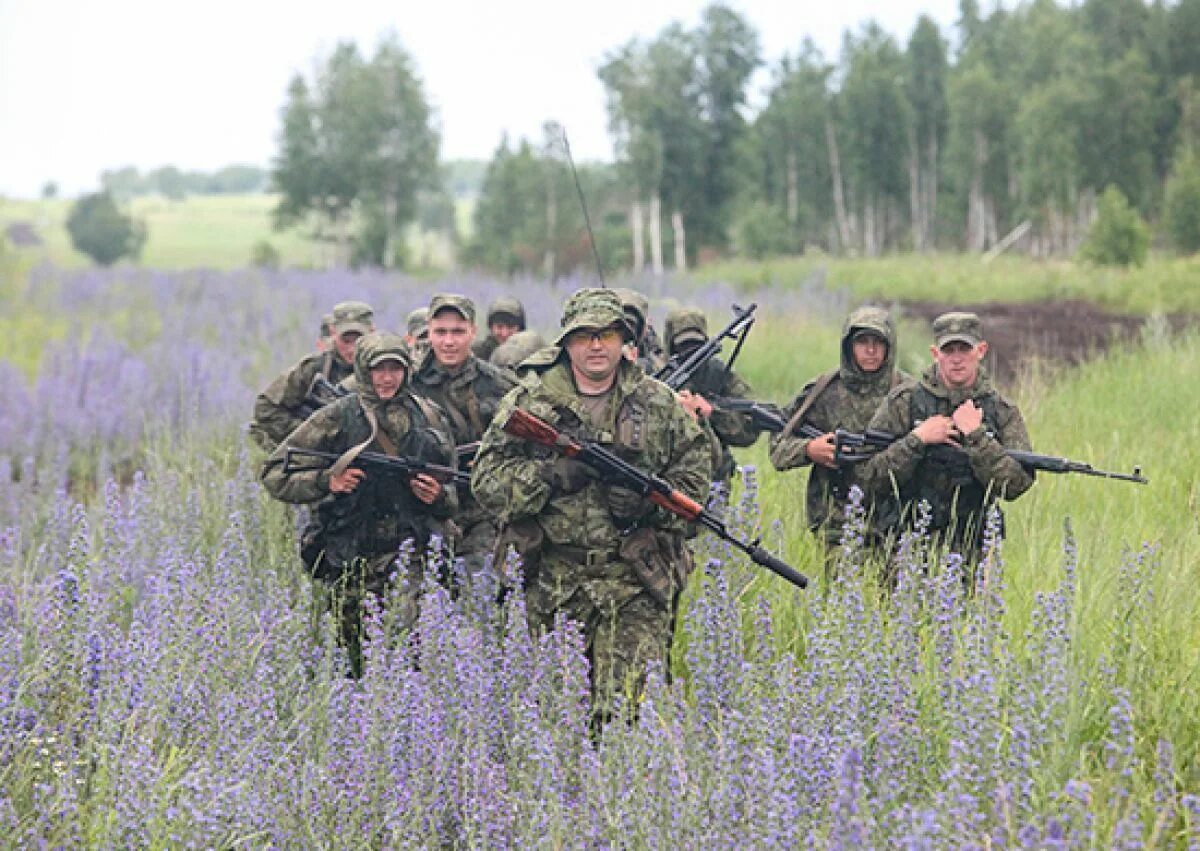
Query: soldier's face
point(595, 354)
point(870, 352)
point(387, 378)
point(451, 336)
point(502, 330)
point(345, 344)
point(958, 362)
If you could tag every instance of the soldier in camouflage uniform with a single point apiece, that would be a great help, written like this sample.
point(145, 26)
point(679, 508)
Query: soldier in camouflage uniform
point(469, 390)
point(953, 405)
point(363, 519)
point(644, 349)
point(596, 552)
point(325, 334)
point(684, 331)
point(505, 317)
point(417, 336)
point(283, 406)
point(845, 398)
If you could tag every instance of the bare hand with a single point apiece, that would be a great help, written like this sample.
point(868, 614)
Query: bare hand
point(425, 488)
point(347, 481)
point(823, 450)
point(967, 417)
point(937, 429)
point(696, 404)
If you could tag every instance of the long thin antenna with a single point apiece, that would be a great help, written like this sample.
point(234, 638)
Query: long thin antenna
point(587, 220)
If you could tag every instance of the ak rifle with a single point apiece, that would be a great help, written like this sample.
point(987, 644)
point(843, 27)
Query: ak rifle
point(299, 460)
point(677, 372)
point(615, 470)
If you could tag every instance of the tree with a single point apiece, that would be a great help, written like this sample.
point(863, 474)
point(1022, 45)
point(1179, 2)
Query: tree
point(102, 232)
point(1181, 212)
point(356, 150)
point(926, 88)
point(1118, 236)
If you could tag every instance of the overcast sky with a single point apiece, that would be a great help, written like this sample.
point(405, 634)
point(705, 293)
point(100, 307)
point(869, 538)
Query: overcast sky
point(87, 86)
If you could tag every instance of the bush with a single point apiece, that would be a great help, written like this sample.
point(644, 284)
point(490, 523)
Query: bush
point(102, 232)
point(1118, 237)
point(1182, 207)
point(762, 231)
point(264, 255)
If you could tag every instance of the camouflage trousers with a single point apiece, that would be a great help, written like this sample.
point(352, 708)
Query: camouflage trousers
point(624, 625)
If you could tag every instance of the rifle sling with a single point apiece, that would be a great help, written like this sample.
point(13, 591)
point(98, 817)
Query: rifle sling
point(809, 400)
point(347, 458)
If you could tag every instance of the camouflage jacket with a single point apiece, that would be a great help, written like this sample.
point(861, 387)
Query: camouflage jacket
point(848, 401)
point(280, 408)
point(958, 485)
point(382, 512)
point(646, 426)
point(730, 429)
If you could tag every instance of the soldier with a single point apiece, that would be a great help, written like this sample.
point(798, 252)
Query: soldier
point(595, 552)
point(505, 317)
point(284, 404)
point(469, 390)
point(685, 330)
point(325, 334)
point(953, 405)
point(845, 398)
point(363, 519)
point(417, 336)
point(516, 349)
point(644, 349)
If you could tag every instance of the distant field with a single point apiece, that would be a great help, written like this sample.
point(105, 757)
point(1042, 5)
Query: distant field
point(203, 231)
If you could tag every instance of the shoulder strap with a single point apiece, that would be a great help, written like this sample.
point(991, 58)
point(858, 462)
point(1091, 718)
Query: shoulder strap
point(810, 400)
point(347, 458)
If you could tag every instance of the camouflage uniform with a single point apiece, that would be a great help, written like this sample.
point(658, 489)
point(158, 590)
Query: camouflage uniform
point(687, 325)
point(960, 486)
point(353, 543)
point(848, 400)
point(469, 396)
point(637, 312)
point(282, 407)
point(618, 576)
point(418, 329)
point(505, 307)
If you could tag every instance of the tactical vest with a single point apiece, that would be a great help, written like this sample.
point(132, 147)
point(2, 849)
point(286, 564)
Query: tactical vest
point(945, 479)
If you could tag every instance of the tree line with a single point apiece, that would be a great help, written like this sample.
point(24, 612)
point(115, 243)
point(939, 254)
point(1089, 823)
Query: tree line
point(1004, 132)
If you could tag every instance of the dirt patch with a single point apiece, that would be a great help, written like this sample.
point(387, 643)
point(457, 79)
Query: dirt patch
point(1063, 333)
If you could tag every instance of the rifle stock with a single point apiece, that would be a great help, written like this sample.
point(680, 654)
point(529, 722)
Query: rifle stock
point(611, 468)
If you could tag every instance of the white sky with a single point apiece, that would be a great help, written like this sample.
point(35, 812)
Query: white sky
point(87, 86)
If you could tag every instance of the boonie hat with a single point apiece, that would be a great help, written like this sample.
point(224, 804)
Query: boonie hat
point(592, 308)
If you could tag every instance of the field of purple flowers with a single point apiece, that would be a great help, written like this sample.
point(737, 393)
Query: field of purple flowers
point(167, 681)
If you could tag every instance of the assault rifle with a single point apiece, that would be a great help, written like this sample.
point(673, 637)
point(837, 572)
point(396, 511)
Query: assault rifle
point(852, 447)
point(678, 371)
point(321, 392)
point(373, 462)
point(615, 470)
point(765, 416)
point(466, 453)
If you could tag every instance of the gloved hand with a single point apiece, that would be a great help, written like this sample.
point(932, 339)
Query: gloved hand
point(626, 505)
point(566, 475)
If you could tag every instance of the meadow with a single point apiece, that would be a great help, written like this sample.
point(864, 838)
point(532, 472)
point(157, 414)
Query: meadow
point(167, 681)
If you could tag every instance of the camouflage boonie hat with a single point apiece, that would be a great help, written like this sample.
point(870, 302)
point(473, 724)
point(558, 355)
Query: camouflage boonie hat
point(509, 308)
point(460, 304)
point(352, 316)
point(592, 308)
point(418, 322)
point(685, 325)
point(957, 327)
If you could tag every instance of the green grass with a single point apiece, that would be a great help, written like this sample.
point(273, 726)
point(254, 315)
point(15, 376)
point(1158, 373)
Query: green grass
point(1164, 284)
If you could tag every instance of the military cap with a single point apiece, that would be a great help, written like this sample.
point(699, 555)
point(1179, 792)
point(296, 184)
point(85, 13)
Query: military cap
point(958, 327)
point(592, 308)
point(685, 325)
point(418, 321)
point(507, 307)
point(327, 325)
point(460, 304)
point(352, 316)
